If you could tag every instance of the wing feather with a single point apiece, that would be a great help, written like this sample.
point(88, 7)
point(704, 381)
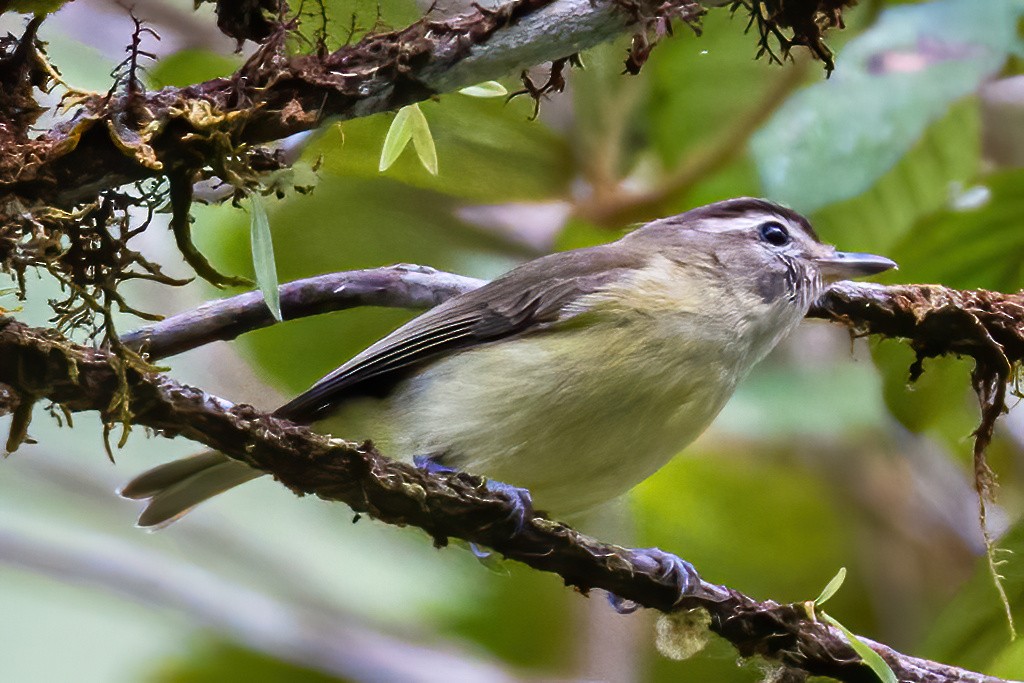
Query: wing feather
point(526, 300)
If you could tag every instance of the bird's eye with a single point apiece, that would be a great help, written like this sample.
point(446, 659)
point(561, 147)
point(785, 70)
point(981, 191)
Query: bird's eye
point(774, 233)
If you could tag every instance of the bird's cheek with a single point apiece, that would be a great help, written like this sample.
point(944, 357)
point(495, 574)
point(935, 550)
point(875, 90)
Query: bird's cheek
point(771, 286)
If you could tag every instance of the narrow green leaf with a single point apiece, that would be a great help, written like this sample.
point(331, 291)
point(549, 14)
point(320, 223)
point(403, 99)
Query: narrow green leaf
point(422, 140)
point(485, 89)
point(831, 588)
point(263, 254)
point(397, 138)
point(867, 655)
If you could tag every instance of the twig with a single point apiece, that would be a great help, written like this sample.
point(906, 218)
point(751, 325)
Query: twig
point(936, 320)
point(400, 286)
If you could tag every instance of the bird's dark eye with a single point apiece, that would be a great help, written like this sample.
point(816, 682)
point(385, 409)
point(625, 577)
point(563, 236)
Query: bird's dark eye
point(774, 233)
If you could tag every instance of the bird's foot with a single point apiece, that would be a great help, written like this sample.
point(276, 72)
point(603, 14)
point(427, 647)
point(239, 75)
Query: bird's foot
point(430, 465)
point(621, 605)
point(668, 568)
point(522, 502)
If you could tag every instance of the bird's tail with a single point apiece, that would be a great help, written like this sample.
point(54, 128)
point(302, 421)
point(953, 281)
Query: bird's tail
point(174, 488)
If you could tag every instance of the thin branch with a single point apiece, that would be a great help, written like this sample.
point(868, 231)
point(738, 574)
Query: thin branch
point(935, 320)
point(400, 286)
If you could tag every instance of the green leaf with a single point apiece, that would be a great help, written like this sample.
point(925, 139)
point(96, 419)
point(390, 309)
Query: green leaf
point(939, 403)
point(687, 105)
point(409, 124)
point(867, 655)
point(724, 489)
point(263, 254)
point(349, 20)
point(422, 140)
point(536, 164)
point(891, 82)
point(831, 587)
point(397, 138)
point(485, 89)
point(211, 660)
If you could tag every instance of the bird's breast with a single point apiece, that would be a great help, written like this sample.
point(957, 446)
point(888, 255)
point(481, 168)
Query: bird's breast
point(577, 416)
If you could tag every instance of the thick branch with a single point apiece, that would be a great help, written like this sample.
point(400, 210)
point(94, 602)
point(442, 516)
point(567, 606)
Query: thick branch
point(124, 138)
point(459, 505)
point(936, 320)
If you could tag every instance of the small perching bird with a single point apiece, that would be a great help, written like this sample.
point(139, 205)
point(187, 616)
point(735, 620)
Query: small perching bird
point(576, 375)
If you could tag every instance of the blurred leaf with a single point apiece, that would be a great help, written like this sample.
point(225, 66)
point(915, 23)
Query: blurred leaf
point(579, 233)
point(891, 82)
point(82, 66)
point(688, 99)
point(485, 89)
point(830, 400)
point(1009, 663)
point(497, 621)
point(263, 254)
point(399, 135)
point(608, 123)
point(189, 66)
point(765, 509)
point(634, 128)
point(980, 246)
point(831, 588)
point(972, 631)
point(422, 140)
point(492, 152)
point(920, 184)
point(34, 6)
point(216, 661)
point(869, 656)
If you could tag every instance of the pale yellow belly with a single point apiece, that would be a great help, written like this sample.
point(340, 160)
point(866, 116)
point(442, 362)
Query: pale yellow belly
point(577, 425)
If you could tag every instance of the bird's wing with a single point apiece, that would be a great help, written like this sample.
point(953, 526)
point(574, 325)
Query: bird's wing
point(528, 299)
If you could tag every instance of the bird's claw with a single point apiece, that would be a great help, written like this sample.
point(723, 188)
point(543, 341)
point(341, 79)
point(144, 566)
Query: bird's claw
point(621, 605)
point(668, 568)
point(522, 502)
point(430, 465)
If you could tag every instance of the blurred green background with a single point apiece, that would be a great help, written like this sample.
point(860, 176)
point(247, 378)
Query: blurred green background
point(914, 148)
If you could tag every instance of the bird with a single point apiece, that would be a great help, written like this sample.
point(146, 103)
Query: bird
point(574, 376)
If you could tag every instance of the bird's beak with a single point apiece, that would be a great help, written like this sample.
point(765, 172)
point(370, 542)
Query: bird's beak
point(844, 265)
